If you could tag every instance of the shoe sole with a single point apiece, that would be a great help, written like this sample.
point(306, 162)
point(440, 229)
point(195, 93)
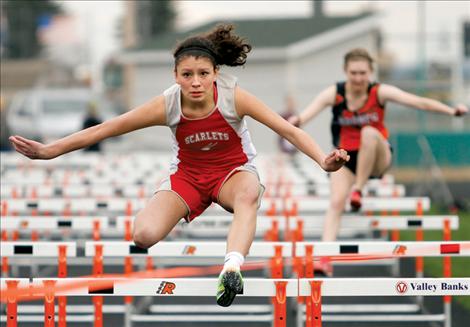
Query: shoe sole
point(233, 285)
point(355, 206)
point(322, 273)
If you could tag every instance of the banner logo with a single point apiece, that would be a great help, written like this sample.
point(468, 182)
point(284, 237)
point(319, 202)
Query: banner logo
point(399, 250)
point(189, 250)
point(401, 287)
point(166, 288)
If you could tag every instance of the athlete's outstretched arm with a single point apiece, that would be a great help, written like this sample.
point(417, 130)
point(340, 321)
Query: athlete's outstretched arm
point(149, 114)
point(324, 99)
point(394, 94)
point(248, 105)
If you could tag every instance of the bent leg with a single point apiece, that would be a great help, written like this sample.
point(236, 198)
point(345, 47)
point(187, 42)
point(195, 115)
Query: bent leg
point(340, 186)
point(240, 193)
point(374, 156)
point(157, 219)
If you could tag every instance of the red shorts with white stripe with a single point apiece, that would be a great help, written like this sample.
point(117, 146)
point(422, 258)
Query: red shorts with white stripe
point(199, 190)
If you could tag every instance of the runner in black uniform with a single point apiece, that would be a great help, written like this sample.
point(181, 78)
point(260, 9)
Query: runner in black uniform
point(358, 127)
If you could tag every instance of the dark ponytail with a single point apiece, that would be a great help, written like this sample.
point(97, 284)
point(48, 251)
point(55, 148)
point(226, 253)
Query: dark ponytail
point(231, 48)
point(220, 45)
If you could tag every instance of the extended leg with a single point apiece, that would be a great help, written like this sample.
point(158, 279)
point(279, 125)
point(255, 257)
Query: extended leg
point(239, 193)
point(340, 186)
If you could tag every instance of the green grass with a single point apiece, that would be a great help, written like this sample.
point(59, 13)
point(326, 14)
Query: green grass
point(460, 266)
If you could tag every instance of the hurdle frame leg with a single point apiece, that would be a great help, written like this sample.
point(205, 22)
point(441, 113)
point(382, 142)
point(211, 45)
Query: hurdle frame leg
point(309, 273)
point(315, 296)
point(447, 273)
point(12, 305)
point(98, 271)
point(49, 304)
point(280, 315)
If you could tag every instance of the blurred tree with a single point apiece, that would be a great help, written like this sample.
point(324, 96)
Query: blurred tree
point(154, 17)
point(23, 19)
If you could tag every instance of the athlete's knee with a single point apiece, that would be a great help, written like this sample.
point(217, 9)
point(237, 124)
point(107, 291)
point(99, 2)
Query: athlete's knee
point(369, 135)
point(337, 203)
point(247, 195)
point(145, 237)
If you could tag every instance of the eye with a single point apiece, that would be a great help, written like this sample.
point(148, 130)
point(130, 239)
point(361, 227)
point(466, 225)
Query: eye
point(186, 74)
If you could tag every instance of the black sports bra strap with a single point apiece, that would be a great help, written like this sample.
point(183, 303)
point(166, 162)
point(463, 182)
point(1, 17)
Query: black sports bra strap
point(341, 88)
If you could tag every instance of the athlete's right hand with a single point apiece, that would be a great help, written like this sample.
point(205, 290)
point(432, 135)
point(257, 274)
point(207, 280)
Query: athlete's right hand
point(335, 160)
point(294, 120)
point(460, 110)
point(30, 148)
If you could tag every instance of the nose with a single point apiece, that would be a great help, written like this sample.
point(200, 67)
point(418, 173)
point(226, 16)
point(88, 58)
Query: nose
point(196, 81)
point(357, 79)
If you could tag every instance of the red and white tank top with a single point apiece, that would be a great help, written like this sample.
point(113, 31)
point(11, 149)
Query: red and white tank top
point(218, 141)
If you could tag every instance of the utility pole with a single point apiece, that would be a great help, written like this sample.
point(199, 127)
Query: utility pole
point(458, 93)
point(421, 58)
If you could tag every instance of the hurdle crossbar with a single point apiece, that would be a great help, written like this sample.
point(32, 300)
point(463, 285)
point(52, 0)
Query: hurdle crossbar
point(310, 204)
point(399, 249)
point(267, 249)
point(147, 190)
point(253, 287)
point(53, 223)
point(185, 249)
point(356, 222)
point(36, 249)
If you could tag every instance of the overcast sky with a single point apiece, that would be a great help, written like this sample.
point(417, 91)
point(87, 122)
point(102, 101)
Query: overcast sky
point(399, 21)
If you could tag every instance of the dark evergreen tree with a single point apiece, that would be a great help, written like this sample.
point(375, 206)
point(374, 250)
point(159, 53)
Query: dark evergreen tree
point(154, 17)
point(23, 19)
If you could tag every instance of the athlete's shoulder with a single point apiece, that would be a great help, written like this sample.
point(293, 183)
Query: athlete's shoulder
point(374, 85)
point(225, 80)
point(174, 89)
point(339, 92)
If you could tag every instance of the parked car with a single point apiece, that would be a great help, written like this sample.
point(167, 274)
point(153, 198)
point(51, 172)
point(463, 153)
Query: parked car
point(48, 114)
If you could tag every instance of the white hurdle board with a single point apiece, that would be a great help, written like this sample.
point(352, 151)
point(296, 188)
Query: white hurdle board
point(307, 204)
point(323, 190)
point(399, 249)
point(256, 287)
point(185, 249)
point(388, 286)
point(74, 205)
point(75, 223)
point(211, 226)
point(36, 249)
point(267, 249)
point(147, 190)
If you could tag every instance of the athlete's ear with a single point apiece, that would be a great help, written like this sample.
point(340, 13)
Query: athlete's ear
point(216, 71)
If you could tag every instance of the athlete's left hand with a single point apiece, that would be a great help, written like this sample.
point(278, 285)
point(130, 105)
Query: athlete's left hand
point(460, 110)
point(335, 160)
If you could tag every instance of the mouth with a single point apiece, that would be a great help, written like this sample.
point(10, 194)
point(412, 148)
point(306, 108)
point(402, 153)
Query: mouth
point(196, 94)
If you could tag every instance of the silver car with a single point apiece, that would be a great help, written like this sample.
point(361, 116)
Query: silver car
point(49, 114)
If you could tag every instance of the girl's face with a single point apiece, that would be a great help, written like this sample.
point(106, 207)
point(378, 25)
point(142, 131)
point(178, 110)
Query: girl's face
point(196, 77)
point(358, 73)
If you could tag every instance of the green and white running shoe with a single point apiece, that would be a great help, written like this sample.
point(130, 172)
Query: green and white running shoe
point(230, 284)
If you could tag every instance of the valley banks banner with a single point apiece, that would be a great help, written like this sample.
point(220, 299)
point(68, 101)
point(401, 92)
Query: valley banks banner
point(430, 287)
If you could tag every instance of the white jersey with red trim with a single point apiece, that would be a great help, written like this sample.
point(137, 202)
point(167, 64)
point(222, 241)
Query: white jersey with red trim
point(218, 141)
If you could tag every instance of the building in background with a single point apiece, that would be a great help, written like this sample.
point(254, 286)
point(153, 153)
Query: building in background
point(300, 56)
